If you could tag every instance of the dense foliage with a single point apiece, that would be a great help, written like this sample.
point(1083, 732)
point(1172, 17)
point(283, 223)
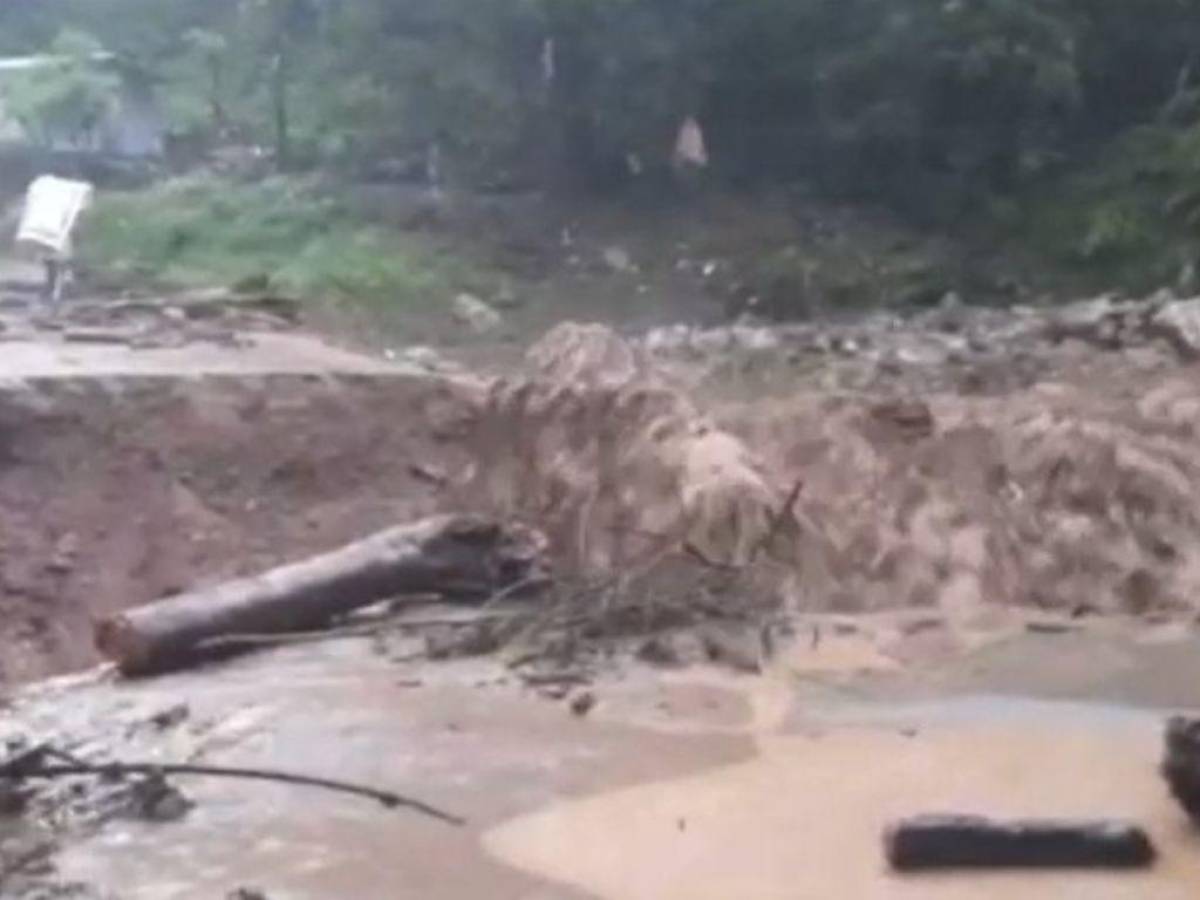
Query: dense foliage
point(934, 106)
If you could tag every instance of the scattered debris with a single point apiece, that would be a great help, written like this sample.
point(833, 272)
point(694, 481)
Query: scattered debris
point(963, 842)
point(619, 260)
point(154, 798)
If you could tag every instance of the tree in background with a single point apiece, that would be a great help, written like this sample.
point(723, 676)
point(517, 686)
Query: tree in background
point(934, 105)
point(68, 97)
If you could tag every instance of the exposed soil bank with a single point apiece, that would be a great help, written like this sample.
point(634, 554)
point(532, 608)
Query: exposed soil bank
point(117, 491)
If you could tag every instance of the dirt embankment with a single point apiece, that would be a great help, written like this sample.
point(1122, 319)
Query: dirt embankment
point(933, 474)
point(116, 492)
point(971, 460)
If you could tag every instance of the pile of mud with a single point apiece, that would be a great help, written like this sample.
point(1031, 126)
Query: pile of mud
point(1077, 492)
point(614, 463)
point(1074, 487)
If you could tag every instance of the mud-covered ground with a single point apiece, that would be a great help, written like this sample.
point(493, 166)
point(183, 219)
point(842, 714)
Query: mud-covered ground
point(986, 502)
point(953, 461)
point(115, 492)
point(970, 458)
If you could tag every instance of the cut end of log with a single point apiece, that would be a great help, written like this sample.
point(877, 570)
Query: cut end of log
point(117, 640)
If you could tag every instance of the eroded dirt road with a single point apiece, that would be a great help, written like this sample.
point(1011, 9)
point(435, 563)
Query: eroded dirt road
point(993, 612)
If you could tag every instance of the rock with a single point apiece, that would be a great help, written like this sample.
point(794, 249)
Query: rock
point(507, 299)
point(65, 553)
point(922, 625)
point(1051, 627)
point(667, 339)
point(154, 799)
point(672, 651)
point(171, 716)
point(756, 340)
point(1086, 320)
point(473, 313)
point(583, 704)
point(659, 651)
point(14, 798)
point(619, 260)
point(741, 650)
point(258, 283)
point(1181, 764)
point(911, 420)
point(425, 358)
point(1179, 323)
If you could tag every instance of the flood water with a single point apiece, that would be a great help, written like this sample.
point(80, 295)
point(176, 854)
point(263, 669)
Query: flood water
point(804, 818)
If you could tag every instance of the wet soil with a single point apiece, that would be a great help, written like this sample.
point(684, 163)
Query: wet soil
point(117, 491)
point(692, 784)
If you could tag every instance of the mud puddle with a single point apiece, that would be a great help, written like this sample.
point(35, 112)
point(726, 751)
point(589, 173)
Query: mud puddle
point(804, 817)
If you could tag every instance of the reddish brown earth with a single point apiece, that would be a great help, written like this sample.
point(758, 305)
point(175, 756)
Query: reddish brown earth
point(116, 492)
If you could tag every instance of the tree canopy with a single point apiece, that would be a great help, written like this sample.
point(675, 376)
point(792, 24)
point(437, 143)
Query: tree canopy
point(934, 103)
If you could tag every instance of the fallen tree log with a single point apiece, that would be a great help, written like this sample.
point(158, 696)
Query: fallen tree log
point(461, 558)
point(927, 843)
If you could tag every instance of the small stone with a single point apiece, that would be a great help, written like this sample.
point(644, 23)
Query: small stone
point(1050, 627)
point(14, 798)
point(619, 260)
point(157, 800)
point(741, 651)
point(65, 553)
point(171, 716)
point(659, 651)
point(1179, 324)
point(922, 625)
point(583, 704)
point(473, 313)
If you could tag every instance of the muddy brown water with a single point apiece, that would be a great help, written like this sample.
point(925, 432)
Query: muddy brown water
point(804, 817)
point(693, 785)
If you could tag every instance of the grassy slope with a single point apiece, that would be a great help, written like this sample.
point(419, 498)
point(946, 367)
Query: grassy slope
point(1119, 223)
point(202, 230)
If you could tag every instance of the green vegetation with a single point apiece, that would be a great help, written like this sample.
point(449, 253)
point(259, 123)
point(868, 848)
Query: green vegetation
point(69, 97)
point(1073, 124)
point(1131, 217)
point(202, 230)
